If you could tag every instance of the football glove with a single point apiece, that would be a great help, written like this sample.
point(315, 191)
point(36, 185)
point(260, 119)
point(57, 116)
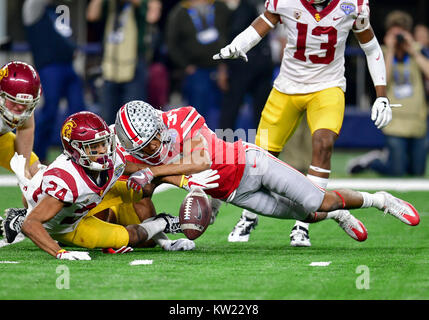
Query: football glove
point(179, 245)
point(381, 112)
point(139, 179)
point(231, 51)
point(72, 255)
point(205, 180)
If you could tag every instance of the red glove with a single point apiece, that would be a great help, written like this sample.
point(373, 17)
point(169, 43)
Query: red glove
point(139, 179)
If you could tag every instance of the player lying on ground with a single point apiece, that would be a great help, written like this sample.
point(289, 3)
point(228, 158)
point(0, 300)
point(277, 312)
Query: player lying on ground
point(75, 183)
point(178, 142)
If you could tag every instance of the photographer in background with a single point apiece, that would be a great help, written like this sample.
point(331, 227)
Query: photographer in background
point(406, 66)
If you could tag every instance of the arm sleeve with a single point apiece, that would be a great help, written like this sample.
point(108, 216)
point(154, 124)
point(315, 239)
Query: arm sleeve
point(375, 60)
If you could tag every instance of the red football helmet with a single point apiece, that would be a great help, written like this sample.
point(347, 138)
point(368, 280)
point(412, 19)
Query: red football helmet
point(19, 83)
point(80, 132)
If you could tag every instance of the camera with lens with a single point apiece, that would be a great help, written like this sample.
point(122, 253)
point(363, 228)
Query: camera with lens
point(400, 38)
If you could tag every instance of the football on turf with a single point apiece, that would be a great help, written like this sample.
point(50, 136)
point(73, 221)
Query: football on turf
point(195, 213)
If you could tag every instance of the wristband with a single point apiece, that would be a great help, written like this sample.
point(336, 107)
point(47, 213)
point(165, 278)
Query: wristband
point(59, 252)
point(184, 181)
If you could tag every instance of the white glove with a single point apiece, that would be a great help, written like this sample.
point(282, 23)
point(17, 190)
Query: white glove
point(205, 180)
point(231, 51)
point(381, 112)
point(73, 255)
point(179, 245)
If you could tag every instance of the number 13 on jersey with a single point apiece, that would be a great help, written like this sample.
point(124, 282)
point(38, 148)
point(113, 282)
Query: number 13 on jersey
point(329, 46)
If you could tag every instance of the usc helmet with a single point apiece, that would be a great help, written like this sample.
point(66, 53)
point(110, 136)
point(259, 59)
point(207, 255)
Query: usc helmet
point(138, 123)
point(19, 83)
point(79, 133)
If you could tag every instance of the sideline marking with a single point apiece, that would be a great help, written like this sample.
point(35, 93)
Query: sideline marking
point(320, 264)
point(140, 262)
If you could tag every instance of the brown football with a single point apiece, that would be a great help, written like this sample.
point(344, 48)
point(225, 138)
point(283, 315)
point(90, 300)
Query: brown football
point(195, 213)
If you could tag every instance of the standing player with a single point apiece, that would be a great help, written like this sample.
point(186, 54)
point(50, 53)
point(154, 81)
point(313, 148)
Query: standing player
point(20, 92)
point(75, 183)
point(178, 142)
point(311, 79)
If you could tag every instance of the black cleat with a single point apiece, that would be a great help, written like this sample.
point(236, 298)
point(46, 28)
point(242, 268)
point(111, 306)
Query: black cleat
point(173, 224)
point(11, 225)
point(242, 229)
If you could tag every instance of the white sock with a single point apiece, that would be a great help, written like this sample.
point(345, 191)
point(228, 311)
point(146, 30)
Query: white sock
point(372, 200)
point(248, 214)
point(321, 182)
point(332, 215)
point(160, 239)
point(153, 227)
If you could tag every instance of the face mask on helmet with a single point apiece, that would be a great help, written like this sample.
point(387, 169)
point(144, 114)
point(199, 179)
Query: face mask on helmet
point(142, 133)
point(97, 154)
point(88, 141)
point(20, 92)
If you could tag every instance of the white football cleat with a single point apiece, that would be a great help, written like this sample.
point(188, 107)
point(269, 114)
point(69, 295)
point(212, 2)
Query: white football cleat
point(400, 209)
point(299, 237)
point(242, 229)
point(352, 226)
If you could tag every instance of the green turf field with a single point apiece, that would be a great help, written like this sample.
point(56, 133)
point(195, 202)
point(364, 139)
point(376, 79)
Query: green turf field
point(393, 263)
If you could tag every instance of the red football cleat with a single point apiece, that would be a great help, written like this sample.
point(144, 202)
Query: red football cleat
point(352, 226)
point(400, 209)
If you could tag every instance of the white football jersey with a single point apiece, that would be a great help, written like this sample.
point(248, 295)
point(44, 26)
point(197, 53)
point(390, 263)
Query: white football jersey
point(313, 58)
point(68, 182)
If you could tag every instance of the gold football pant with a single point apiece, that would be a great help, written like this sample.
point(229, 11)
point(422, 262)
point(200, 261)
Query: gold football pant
point(7, 150)
point(283, 112)
point(92, 232)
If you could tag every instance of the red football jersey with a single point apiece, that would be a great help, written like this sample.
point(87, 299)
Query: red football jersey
point(227, 158)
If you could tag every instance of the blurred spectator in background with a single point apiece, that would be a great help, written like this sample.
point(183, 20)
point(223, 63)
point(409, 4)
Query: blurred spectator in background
point(158, 87)
point(241, 78)
point(421, 35)
point(405, 152)
point(298, 149)
point(53, 50)
point(124, 65)
point(196, 29)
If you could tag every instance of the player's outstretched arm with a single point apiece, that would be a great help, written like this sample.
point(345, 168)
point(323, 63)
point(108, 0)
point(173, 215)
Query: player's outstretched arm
point(24, 143)
point(33, 228)
point(196, 158)
point(248, 38)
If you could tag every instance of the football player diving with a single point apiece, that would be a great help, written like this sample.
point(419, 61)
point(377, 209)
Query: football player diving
point(178, 143)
